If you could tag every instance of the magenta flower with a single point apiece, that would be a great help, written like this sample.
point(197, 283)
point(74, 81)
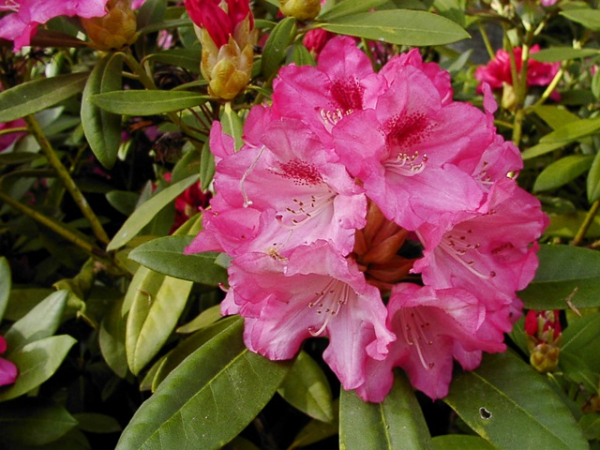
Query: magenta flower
point(26, 15)
point(8, 370)
point(6, 140)
point(216, 21)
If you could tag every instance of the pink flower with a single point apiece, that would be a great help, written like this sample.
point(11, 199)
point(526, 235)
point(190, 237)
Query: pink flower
point(315, 40)
point(6, 140)
point(497, 72)
point(220, 24)
point(308, 292)
point(26, 15)
point(8, 371)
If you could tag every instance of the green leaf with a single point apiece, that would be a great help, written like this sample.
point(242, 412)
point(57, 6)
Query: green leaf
point(556, 54)
point(189, 346)
point(299, 55)
point(165, 255)
point(147, 103)
point(19, 158)
point(572, 131)
point(541, 149)
point(207, 167)
point(589, 18)
point(33, 96)
point(567, 225)
point(5, 284)
point(41, 322)
point(555, 116)
point(452, 9)
point(102, 129)
point(34, 421)
point(316, 431)
point(564, 271)
point(146, 212)
point(112, 339)
point(232, 125)
point(593, 180)
point(461, 442)
point(179, 57)
point(581, 339)
point(348, 8)
point(590, 424)
point(395, 423)
point(562, 171)
point(275, 48)
point(208, 399)
point(152, 11)
point(123, 201)
point(510, 405)
point(306, 388)
point(97, 423)
point(37, 362)
point(204, 319)
point(402, 27)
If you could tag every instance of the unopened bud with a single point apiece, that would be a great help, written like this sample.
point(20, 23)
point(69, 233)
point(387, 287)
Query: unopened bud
point(114, 30)
point(544, 358)
point(300, 9)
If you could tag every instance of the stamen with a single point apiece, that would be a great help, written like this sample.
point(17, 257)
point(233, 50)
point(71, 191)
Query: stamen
point(247, 201)
point(329, 301)
point(413, 330)
point(10, 5)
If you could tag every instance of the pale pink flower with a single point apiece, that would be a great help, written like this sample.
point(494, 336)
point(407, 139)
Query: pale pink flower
point(8, 370)
point(308, 292)
point(26, 15)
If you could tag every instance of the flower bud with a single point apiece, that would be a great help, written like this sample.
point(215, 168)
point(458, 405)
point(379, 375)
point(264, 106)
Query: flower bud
point(114, 30)
point(543, 331)
point(300, 9)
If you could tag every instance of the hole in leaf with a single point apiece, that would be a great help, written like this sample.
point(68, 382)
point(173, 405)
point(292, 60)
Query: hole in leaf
point(484, 413)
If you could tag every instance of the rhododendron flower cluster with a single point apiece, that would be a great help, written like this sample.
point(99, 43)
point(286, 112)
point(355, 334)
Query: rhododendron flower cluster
point(372, 209)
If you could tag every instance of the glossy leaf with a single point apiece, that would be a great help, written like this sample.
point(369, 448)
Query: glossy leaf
point(395, 423)
point(402, 27)
point(306, 388)
point(165, 255)
point(34, 96)
point(232, 125)
point(204, 319)
point(299, 55)
point(589, 18)
point(593, 180)
point(316, 431)
point(146, 212)
point(349, 7)
point(572, 131)
point(275, 48)
point(207, 167)
point(41, 322)
point(564, 272)
point(34, 421)
point(208, 399)
point(562, 171)
point(510, 405)
point(186, 59)
point(582, 339)
point(112, 339)
point(461, 442)
point(37, 362)
point(5, 284)
point(189, 346)
point(147, 103)
point(102, 129)
point(556, 54)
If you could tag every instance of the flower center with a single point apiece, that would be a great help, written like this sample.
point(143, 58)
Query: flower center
point(462, 249)
point(348, 94)
point(301, 172)
point(328, 302)
point(415, 330)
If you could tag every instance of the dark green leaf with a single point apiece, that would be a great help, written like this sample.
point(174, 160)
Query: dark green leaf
point(316, 431)
point(147, 103)
point(593, 180)
point(23, 300)
point(589, 18)
point(208, 399)
point(34, 421)
point(123, 201)
point(452, 9)
point(207, 167)
point(402, 27)
point(204, 319)
point(510, 405)
point(299, 55)
point(564, 272)
point(15, 158)
point(41, 322)
point(146, 212)
point(33, 96)
point(582, 339)
point(562, 171)
point(5, 284)
point(97, 423)
point(556, 54)
point(232, 125)
point(306, 388)
point(37, 362)
point(179, 57)
point(461, 442)
point(275, 48)
point(112, 339)
point(348, 8)
point(590, 424)
point(102, 129)
point(567, 225)
point(395, 423)
point(152, 11)
point(165, 255)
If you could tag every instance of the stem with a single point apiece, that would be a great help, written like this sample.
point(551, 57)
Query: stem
point(589, 218)
point(549, 89)
point(13, 130)
point(63, 174)
point(486, 40)
point(54, 225)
